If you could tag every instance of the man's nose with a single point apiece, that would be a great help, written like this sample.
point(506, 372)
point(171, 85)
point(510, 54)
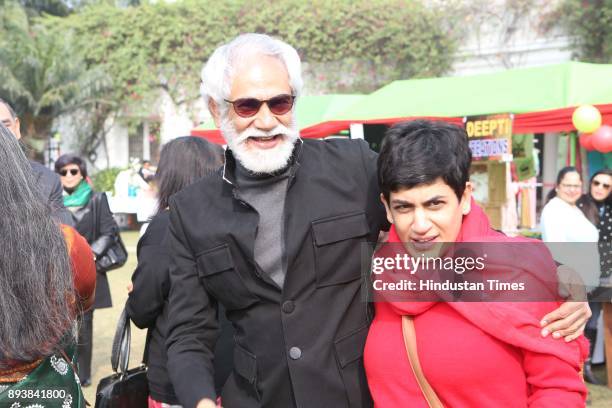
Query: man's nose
point(265, 119)
point(421, 223)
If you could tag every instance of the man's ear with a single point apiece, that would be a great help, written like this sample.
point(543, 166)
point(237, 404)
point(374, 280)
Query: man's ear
point(214, 111)
point(17, 128)
point(384, 201)
point(466, 199)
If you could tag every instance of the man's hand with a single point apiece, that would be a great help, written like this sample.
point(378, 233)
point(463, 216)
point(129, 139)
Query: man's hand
point(567, 321)
point(207, 403)
point(571, 286)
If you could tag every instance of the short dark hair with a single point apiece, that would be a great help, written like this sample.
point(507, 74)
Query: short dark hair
point(419, 152)
point(69, 158)
point(182, 162)
point(10, 108)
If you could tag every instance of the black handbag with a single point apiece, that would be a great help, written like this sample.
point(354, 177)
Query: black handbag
point(116, 254)
point(126, 388)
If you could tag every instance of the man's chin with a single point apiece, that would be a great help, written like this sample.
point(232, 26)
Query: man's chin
point(265, 157)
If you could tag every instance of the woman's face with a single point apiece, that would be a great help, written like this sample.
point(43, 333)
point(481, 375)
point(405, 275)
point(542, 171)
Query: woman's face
point(427, 215)
point(70, 175)
point(600, 187)
point(570, 188)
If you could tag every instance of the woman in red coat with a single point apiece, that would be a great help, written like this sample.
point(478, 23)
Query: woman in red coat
point(469, 354)
point(83, 269)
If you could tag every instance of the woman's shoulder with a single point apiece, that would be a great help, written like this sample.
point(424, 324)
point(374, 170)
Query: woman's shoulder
point(555, 203)
point(556, 207)
point(157, 229)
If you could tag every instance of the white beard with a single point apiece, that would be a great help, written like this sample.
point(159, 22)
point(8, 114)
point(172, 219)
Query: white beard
point(256, 160)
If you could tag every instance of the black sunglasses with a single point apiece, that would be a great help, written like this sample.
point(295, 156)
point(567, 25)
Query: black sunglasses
point(73, 172)
point(604, 185)
point(247, 107)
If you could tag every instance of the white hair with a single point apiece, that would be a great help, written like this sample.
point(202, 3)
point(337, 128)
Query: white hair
point(218, 71)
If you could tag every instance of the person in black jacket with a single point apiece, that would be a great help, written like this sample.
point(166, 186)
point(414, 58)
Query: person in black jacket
point(98, 229)
point(277, 238)
point(597, 207)
point(182, 162)
point(49, 185)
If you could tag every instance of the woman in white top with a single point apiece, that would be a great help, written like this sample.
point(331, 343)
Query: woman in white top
point(563, 221)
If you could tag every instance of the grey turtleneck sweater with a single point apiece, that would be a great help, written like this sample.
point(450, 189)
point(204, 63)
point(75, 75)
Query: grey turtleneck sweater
point(266, 193)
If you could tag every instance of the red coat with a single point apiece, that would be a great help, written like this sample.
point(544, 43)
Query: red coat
point(83, 268)
point(474, 354)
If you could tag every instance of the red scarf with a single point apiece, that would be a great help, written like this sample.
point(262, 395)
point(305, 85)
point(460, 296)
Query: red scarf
point(515, 323)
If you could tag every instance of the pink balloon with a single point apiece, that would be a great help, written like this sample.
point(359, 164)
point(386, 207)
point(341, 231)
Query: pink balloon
point(586, 141)
point(602, 139)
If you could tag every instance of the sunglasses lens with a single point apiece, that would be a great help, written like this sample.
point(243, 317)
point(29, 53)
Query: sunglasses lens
point(247, 107)
point(279, 105)
point(73, 172)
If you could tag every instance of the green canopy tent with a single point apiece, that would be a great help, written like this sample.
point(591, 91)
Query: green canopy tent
point(311, 110)
point(541, 98)
point(516, 91)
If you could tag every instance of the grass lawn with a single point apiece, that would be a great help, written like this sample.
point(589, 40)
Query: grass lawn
point(105, 321)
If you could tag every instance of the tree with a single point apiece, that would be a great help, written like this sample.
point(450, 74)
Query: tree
point(41, 75)
point(589, 23)
point(103, 58)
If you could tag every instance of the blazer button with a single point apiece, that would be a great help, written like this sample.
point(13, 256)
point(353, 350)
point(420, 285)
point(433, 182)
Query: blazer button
point(295, 353)
point(288, 307)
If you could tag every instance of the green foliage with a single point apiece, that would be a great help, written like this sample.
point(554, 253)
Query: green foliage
point(104, 180)
point(41, 76)
point(162, 46)
point(589, 23)
point(102, 59)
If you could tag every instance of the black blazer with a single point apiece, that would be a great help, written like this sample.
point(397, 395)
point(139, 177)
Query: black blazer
point(147, 307)
point(98, 240)
point(299, 347)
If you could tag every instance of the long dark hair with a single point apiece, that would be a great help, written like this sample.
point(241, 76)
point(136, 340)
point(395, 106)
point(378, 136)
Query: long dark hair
point(568, 169)
point(183, 161)
point(587, 203)
point(36, 286)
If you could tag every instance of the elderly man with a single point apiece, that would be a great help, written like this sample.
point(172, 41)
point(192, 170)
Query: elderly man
point(50, 187)
point(276, 238)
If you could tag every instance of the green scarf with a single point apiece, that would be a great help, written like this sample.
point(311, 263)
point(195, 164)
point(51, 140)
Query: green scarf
point(80, 196)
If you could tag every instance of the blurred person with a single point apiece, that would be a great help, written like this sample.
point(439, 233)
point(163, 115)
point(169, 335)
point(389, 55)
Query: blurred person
point(146, 171)
point(79, 200)
point(423, 173)
point(49, 185)
point(563, 221)
point(47, 277)
point(276, 239)
point(597, 207)
point(183, 161)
